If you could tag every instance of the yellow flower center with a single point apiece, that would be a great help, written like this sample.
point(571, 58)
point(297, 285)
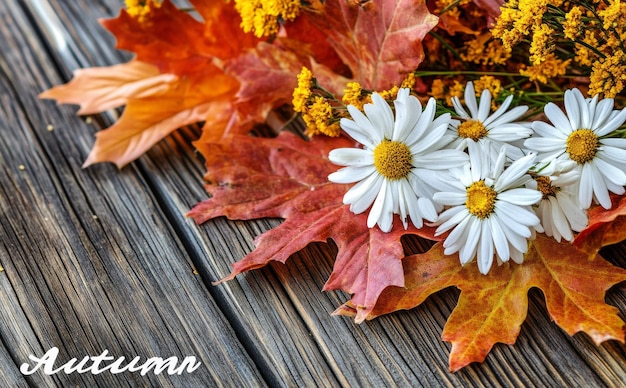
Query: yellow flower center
point(582, 145)
point(393, 159)
point(472, 129)
point(544, 185)
point(481, 199)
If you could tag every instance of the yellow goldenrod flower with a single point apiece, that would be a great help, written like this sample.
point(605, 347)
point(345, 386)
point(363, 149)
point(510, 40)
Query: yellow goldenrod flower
point(456, 90)
point(503, 29)
point(408, 81)
point(542, 44)
point(484, 51)
point(572, 26)
point(442, 91)
point(263, 18)
point(302, 92)
point(319, 119)
point(551, 67)
point(608, 75)
point(390, 94)
point(354, 95)
point(612, 14)
point(438, 89)
point(487, 82)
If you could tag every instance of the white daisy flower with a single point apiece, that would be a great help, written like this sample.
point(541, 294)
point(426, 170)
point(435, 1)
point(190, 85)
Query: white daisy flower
point(394, 168)
point(491, 132)
point(559, 211)
point(490, 210)
point(580, 136)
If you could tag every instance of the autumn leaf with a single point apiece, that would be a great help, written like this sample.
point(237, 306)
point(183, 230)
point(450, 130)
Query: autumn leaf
point(381, 42)
point(267, 74)
point(286, 177)
point(606, 227)
point(178, 79)
point(492, 307)
point(101, 88)
point(176, 42)
point(156, 105)
point(306, 39)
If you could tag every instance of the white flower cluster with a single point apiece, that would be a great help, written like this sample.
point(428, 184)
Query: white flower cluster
point(487, 179)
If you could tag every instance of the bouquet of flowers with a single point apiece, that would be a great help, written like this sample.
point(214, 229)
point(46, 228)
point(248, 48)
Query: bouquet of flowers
point(493, 131)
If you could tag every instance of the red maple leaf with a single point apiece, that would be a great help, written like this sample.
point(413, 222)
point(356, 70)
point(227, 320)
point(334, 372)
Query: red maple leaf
point(381, 42)
point(286, 177)
point(492, 307)
point(176, 42)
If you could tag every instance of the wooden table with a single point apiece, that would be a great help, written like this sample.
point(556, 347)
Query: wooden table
point(101, 258)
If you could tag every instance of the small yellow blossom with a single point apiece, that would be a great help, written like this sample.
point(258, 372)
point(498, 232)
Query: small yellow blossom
point(612, 14)
point(530, 15)
point(320, 119)
point(354, 95)
point(551, 67)
point(572, 26)
point(140, 8)
point(408, 81)
point(542, 43)
point(442, 91)
point(456, 90)
point(519, 19)
point(483, 50)
point(503, 29)
point(489, 83)
point(389, 94)
point(608, 75)
point(302, 92)
point(263, 18)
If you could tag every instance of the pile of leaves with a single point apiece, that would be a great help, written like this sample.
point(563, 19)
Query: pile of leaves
point(202, 67)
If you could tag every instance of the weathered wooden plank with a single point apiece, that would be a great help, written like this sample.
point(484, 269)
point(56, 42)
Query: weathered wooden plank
point(257, 321)
point(11, 326)
point(90, 260)
point(402, 349)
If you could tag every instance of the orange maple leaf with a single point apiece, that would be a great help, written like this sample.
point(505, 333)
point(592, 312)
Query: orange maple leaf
point(175, 80)
point(492, 307)
point(606, 227)
point(176, 42)
point(156, 105)
point(286, 177)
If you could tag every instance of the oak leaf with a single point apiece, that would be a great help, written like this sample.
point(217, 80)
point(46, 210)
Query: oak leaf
point(492, 307)
point(606, 227)
point(381, 42)
point(286, 177)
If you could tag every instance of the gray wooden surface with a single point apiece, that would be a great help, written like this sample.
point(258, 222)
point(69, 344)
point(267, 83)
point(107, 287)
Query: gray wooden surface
point(102, 258)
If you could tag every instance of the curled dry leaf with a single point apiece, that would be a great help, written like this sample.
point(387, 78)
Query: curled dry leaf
point(492, 308)
point(605, 227)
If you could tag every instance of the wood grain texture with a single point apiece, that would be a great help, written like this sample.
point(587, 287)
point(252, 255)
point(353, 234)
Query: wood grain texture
point(101, 258)
point(88, 255)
